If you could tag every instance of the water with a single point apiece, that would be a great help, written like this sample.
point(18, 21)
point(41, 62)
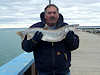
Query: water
point(10, 44)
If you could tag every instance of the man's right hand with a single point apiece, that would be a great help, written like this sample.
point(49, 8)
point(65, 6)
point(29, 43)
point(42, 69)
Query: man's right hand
point(28, 45)
point(37, 37)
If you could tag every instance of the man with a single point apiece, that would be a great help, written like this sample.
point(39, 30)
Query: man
point(51, 58)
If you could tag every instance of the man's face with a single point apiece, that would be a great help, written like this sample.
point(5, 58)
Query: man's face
point(51, 16)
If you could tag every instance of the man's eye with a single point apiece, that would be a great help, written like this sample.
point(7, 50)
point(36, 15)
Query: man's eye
point(52, 12)
point(49, 12)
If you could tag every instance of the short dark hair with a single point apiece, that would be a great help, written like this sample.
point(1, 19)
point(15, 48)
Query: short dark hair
point(50, 6)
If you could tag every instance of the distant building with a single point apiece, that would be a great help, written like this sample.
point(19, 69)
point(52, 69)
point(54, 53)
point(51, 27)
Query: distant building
point(91, 29)
point(74, 25)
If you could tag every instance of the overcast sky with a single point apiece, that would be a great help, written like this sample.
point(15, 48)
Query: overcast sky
point(23, 13)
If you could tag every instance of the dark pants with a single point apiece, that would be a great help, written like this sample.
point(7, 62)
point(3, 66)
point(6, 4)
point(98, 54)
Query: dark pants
point(54, 73)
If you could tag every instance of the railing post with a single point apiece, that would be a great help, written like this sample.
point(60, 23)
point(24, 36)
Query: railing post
point(31, 70)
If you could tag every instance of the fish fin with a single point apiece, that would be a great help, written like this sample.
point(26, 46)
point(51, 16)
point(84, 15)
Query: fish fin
point(20, 34)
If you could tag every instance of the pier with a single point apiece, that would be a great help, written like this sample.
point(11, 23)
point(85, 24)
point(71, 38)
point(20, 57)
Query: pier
point(85, 60)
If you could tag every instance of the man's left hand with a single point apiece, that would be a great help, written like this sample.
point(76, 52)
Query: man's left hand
point(70, 35)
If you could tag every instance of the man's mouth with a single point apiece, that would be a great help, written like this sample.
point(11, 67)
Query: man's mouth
point(52, 18)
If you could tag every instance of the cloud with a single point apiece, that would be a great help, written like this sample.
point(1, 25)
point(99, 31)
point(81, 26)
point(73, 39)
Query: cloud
point(27, 12)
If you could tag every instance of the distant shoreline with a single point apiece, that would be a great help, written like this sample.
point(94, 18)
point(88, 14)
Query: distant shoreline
point(12, 28)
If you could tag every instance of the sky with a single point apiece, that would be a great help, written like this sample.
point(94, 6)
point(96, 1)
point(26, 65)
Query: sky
point(24, 13)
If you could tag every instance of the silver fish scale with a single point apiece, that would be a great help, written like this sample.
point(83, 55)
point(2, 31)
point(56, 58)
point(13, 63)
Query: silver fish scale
point(48, 35)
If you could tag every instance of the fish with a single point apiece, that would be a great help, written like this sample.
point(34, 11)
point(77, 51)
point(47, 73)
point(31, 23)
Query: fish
point(49, 35)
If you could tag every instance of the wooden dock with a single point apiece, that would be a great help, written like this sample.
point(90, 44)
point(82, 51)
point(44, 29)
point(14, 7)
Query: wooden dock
point(86, 59)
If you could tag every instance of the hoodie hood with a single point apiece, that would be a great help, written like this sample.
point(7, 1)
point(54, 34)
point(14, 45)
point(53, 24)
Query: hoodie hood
point(59, 22)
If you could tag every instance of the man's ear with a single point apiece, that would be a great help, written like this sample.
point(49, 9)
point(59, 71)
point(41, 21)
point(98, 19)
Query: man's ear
point(58, 15)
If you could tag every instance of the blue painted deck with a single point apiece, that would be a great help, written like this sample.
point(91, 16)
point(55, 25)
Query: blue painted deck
point(18, 65)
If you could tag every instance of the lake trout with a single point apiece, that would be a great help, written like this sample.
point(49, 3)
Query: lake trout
point(48, 34)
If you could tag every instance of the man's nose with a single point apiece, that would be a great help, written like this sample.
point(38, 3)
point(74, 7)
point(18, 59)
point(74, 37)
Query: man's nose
point(52, 14)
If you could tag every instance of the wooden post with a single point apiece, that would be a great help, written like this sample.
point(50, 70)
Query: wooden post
point(33, 69)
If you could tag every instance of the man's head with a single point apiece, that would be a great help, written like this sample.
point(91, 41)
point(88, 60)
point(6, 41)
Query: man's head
point(51, 14)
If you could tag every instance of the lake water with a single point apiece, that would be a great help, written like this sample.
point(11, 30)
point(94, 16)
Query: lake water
point(10, 44)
